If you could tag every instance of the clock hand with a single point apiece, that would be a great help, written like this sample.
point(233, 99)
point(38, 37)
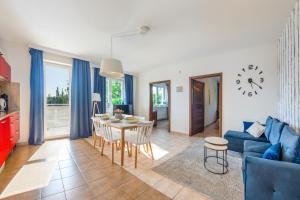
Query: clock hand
point(257, 85)
point(251, 85)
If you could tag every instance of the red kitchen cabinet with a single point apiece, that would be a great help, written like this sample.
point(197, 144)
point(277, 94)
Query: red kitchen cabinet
point(5, 71)
point(4, 139)
point(9, 135)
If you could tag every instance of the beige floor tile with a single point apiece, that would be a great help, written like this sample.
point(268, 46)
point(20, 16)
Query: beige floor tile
point(168, 187)
point(188, 194)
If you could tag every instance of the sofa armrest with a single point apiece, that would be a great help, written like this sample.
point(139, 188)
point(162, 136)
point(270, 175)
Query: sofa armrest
point(269, 179)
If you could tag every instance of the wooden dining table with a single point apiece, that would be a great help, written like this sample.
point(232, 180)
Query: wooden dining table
point(123, 126)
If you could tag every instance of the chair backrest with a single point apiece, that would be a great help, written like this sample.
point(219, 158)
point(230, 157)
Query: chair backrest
point(97, 126)
point(106, 130)
point(144, 131)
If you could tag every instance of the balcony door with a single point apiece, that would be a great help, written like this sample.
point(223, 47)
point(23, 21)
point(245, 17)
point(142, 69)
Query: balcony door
point(57, 100)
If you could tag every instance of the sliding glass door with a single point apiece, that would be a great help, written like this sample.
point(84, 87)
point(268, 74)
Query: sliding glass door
point(57, 100)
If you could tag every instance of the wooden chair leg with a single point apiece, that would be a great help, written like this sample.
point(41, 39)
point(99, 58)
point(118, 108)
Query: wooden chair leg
point(131, 149)
point(128, 150)
point(112, 152)
point(103, 143)
point(150, 147)
point(95, 140)
point(135, 157)
point(100, 141)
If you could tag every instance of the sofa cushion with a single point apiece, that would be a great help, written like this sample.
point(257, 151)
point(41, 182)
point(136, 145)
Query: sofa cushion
point(236, 140)
point(276, 130)
point(247, 125)
point(244, 136)
point(290, 142)
point(273, 152)
point(255, 147)
point(268, 128)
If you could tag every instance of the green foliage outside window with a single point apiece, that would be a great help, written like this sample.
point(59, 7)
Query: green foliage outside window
point(61, 97)
point(116, 95)
point(116, 91)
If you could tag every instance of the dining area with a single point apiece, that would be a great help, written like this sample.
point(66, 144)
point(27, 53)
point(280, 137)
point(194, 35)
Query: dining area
point(122, 133)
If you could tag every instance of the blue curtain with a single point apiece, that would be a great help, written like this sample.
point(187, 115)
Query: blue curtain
point(100, 87)
point(36, 126)
point(129, 91)
point(81, 100)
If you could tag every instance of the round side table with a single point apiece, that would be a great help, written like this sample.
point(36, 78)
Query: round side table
point(217, 144)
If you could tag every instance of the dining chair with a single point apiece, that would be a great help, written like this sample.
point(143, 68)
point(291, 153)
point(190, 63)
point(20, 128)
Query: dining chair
point(109, 135)
point(140, 136)
point(97, 133)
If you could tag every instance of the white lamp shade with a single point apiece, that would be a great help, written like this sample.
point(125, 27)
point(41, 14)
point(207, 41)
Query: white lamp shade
point(111, 68)
point(96, 97)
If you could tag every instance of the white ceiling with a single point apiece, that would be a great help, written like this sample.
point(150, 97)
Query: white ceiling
point(180, 29)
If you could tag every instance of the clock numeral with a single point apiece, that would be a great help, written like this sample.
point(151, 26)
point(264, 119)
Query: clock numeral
point(255, 92)
point(256, 67)
point(239, 74)
point(244, 70)
point(244, 92)
point(250, 67)
point(249, 94)
point(261, 80)
point(238, 81)
point(260, 72)
point(239, 88)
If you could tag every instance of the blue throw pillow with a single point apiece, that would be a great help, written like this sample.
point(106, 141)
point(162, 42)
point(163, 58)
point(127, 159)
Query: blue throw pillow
point(247, 125)
point(268, 128)
point(290, 142)
point(276, 130)
point(273, 152)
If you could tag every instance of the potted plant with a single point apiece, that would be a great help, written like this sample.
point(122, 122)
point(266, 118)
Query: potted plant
point(118, 113)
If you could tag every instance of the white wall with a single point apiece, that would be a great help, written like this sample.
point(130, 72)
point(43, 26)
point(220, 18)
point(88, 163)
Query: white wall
point(17, 56)
point(236, 107)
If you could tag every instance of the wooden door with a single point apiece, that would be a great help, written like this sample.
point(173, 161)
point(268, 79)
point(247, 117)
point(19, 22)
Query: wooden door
point(197, 107)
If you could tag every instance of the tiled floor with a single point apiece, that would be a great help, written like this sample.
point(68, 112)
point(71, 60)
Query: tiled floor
point(165, 145)
point(82, 174)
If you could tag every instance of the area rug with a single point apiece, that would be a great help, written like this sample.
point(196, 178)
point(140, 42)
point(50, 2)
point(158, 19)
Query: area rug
point(187, 168)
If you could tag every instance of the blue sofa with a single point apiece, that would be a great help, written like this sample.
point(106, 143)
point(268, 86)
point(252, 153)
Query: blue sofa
point(269, 179)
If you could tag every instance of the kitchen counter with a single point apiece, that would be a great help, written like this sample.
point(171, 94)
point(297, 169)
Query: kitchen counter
point(4, 115)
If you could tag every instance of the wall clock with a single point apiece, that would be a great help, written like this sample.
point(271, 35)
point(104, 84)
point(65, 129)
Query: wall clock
point(250, 80)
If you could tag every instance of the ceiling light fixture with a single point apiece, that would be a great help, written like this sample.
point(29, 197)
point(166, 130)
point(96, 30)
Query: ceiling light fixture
point(112, 67)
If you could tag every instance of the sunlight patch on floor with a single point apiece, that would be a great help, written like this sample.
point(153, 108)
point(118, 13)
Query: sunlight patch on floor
point(37, 173)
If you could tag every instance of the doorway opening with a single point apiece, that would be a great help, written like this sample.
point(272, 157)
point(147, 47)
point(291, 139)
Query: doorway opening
point(160, 104)
point(206, 105)
point(57, 100)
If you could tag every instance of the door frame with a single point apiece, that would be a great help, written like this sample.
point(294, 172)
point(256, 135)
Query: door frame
point(220, 99)
point(62, 66)
point(168, 82)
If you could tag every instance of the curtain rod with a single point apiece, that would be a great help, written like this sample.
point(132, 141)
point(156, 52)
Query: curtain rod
point(60, 53)
point(65, 54)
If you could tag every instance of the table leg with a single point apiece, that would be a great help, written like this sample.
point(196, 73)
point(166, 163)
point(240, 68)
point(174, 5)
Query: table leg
point(122, 146)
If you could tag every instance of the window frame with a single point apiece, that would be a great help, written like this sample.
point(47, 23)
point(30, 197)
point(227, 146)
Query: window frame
point(108, 95)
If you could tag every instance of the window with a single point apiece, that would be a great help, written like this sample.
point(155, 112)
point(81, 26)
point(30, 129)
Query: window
point(160, 95)
point(57, 100)
point(114, 93)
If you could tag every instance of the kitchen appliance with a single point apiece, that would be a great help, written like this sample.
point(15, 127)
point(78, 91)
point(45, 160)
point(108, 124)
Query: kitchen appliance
point(3, 103)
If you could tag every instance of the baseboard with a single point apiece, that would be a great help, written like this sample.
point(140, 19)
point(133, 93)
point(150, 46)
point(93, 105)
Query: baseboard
point(179, 133)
